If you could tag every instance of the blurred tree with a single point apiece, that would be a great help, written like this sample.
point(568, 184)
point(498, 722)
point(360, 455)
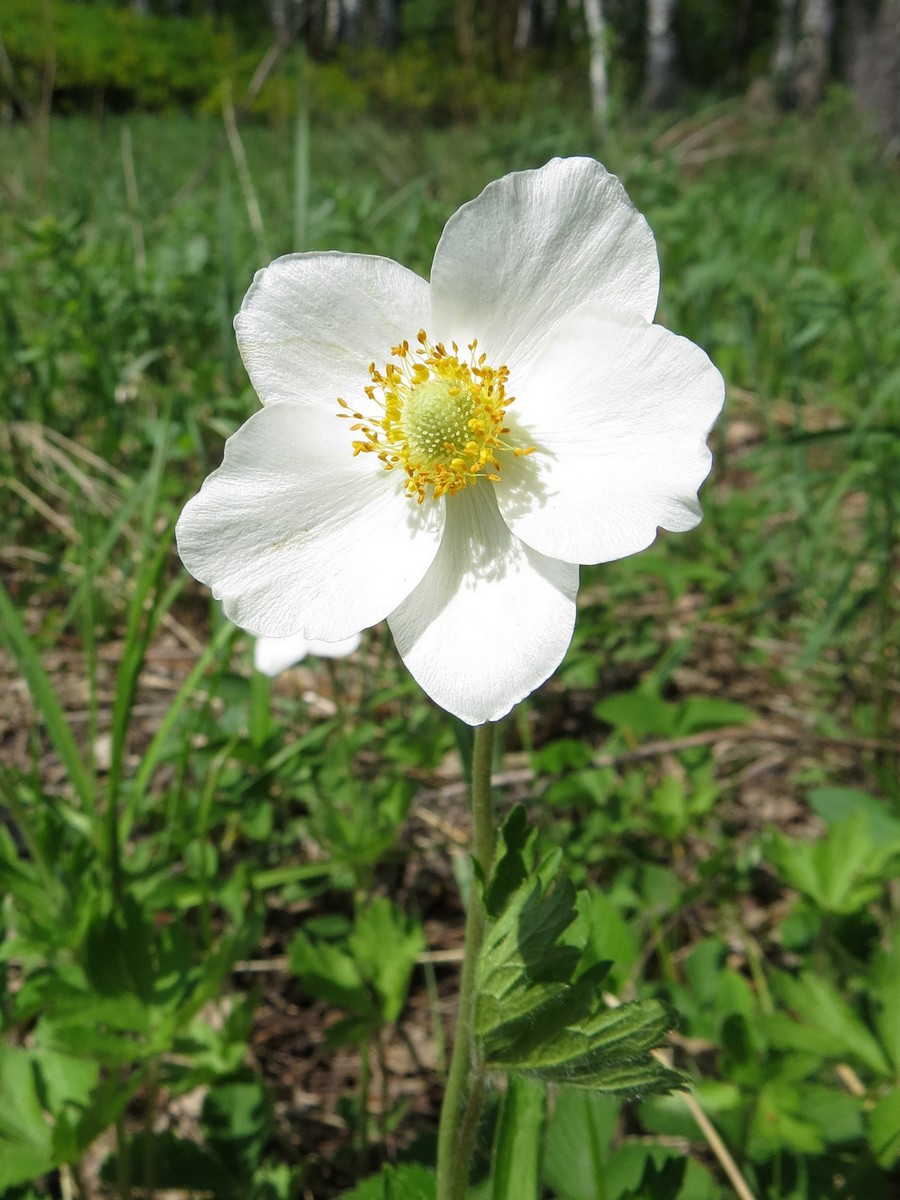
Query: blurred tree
point(596, 27)
point(387, 23)
point(661, 77)
point(872, 57)
point(813, 64)
point(647, 46)
point(464, 26)
point(801, 66)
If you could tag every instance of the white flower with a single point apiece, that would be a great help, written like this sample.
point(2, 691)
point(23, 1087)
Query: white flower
point(272, 655)
point(516, 417)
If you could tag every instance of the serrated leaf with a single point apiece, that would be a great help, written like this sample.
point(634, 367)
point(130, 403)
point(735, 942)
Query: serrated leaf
point(386, 944)
point(406, 1182)
point(645, 1172)
point(330, 973)
point(523, 941)
point(510, 869)
point(832, 1027)
point(536, 1014)
point(528, 1011)
point(113, 1030)
point(842, 871)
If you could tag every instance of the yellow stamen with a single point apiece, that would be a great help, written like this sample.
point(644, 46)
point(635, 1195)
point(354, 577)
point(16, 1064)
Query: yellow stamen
point(441, 420)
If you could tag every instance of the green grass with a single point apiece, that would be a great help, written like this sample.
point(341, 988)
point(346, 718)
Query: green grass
point(167, 812)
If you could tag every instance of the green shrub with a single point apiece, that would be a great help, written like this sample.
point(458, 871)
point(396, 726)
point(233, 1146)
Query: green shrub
point(113, 57)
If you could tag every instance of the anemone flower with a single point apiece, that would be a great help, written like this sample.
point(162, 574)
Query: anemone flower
point(444, 455)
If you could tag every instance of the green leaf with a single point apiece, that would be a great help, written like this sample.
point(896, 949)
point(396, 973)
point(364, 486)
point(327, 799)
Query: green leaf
point(838, 1115)
point(538, 1011)
point(330, 973)
point(368, 974)
point(580, 1129)
point(517, 1142)
point(509, 870)
point(670, 1115)
point(237, 1120)
point(43, 694)
point(639, 714)
point(113, 1030)
point(406, 1182)
point(826, 1024)
point(886, 987)
point(698, 713)
point(884, 1129)
point(179, 1165)
point(780, 1123)
point(386, 945)
point(834, 804)
point(841, 872)
point(638, 1171)
point(26, 1141)
point(608, 935)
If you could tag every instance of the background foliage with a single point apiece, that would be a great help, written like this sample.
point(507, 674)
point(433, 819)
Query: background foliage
point(409, 59)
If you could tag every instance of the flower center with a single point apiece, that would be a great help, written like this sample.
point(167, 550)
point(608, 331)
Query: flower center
point(441, 420)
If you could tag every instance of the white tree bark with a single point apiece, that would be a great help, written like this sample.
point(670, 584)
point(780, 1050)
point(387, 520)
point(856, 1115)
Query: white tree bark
point(814, 52)
point(351, 22)
point(524, 26)
point(786, 44)
point(596, 27)
point(661, 84)
point(332, 22)
point(872, 59)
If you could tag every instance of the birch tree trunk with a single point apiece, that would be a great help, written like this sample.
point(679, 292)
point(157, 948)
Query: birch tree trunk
point(596, 28)
point(350, 26)
point(386, 23)
point(524, 26)
point(464, 27)
point(661, 83)
point(278, 14)
point(785, 56)
point(814, 53)
point(872, 58)
point(332, 23)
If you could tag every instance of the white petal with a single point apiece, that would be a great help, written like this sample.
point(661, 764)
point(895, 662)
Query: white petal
point(311, 323)
point(535, 246)
point(491, 619)
point(618, 411)
point(271, 656)
point(294, 534)
point(334, 649)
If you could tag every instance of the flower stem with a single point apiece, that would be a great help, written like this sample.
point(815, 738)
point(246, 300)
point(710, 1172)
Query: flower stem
point(465, 1080)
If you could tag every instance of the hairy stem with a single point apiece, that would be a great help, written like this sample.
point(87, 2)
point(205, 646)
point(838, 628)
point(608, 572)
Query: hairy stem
point(465, 1081)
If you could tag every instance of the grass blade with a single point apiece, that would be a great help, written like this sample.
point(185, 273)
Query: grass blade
point(13, 632)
